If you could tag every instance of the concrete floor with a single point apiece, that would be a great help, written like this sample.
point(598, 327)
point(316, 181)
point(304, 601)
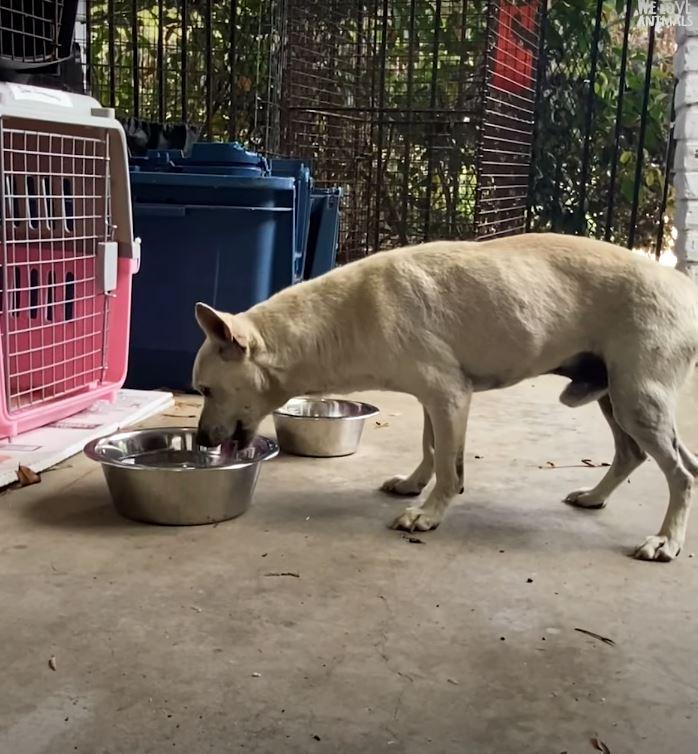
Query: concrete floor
point(175, 639)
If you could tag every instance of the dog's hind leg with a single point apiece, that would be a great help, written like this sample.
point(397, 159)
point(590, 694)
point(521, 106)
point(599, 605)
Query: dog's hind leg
point(449, 418)
point(688, 459)
point(421, 476)
point(628, 456)
point(646, 412)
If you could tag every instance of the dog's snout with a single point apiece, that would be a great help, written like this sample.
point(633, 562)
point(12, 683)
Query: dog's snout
point(211, 437)
point(203, 438)
point(239, 433)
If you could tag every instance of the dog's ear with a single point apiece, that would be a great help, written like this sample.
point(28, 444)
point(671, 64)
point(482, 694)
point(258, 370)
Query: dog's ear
point(225, 329)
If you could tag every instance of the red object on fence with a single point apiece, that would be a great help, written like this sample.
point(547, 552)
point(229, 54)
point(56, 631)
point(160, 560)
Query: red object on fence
point(513, 53)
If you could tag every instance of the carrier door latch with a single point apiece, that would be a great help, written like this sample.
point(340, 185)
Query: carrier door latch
point(107, 263)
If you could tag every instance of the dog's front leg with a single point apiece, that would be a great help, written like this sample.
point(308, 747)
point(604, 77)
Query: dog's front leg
point(421, 476)
point(449, 418)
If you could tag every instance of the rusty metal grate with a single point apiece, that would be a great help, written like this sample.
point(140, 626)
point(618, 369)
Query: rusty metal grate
point(405, 104)
point(422, 111)
point(509, 99)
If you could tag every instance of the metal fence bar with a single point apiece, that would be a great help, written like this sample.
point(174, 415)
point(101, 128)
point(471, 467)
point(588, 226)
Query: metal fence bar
point(381, 119)
point(161, 62)
point(259, 53)
point(268, 114)
point(432, 107)
point(409, 93)
point(111, 54)
point(134, 58)
point(641, 136)
point(88, 45)
point(540, 75)
point(482, 103)
point(619, 122)
point(357, 70)
point(208, 30)
point(371, 47)
point(280, 57)
point(668, 167)
point(455, 157)
point(591, 96)
point(184, 62)
point(232, 62)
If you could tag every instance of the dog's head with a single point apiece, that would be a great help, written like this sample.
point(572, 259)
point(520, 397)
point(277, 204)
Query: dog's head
point(236, 390)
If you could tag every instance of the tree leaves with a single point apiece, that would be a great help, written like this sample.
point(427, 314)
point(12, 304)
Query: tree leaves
point(562, 118)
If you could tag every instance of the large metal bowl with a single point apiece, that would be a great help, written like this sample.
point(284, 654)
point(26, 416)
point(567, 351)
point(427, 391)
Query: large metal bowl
point(162, 476)
point(321, 427)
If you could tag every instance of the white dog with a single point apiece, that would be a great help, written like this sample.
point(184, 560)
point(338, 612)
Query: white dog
point(444, 320)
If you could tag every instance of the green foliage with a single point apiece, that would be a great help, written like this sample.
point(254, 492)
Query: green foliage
point(418, 145)
point(561, 125)
point(401, 123)
point(240, 98)
point(430, 136)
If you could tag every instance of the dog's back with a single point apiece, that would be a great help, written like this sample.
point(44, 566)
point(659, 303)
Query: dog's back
point(509, 308)
point(521, 305)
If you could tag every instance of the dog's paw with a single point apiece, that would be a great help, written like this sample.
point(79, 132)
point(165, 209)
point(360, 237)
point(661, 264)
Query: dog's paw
point(402, 485)
point(659, 548)
point(585, 498)
point(416, 519)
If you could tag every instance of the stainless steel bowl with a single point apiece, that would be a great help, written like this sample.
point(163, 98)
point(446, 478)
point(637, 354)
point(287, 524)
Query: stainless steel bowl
point(322, 427)
point(163, 477)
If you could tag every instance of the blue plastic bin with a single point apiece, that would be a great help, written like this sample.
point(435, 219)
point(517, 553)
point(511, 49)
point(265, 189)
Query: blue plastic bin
point(298, 170)
point(215, 227)
point(323, 231)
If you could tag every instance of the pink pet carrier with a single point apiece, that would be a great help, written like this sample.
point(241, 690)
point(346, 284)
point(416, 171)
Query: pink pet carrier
point(66, 256)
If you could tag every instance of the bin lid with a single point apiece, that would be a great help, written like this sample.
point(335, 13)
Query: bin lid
point(228, 155)
point(227, 158)
point(155, 159)
point(183, 180)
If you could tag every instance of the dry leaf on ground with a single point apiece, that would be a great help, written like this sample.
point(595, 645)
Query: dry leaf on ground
point(589, 462)
point(284, 573)
point(26, 476)
point(594, 635)
point(415, 540)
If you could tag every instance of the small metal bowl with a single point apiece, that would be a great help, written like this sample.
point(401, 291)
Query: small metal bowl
point(162, 476)
point(321, 427)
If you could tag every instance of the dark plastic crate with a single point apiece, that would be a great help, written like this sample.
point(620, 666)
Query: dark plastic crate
point(229, 271)
point(35, 33)
point(323, 232)
point(208, 233)
point(297, 169)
